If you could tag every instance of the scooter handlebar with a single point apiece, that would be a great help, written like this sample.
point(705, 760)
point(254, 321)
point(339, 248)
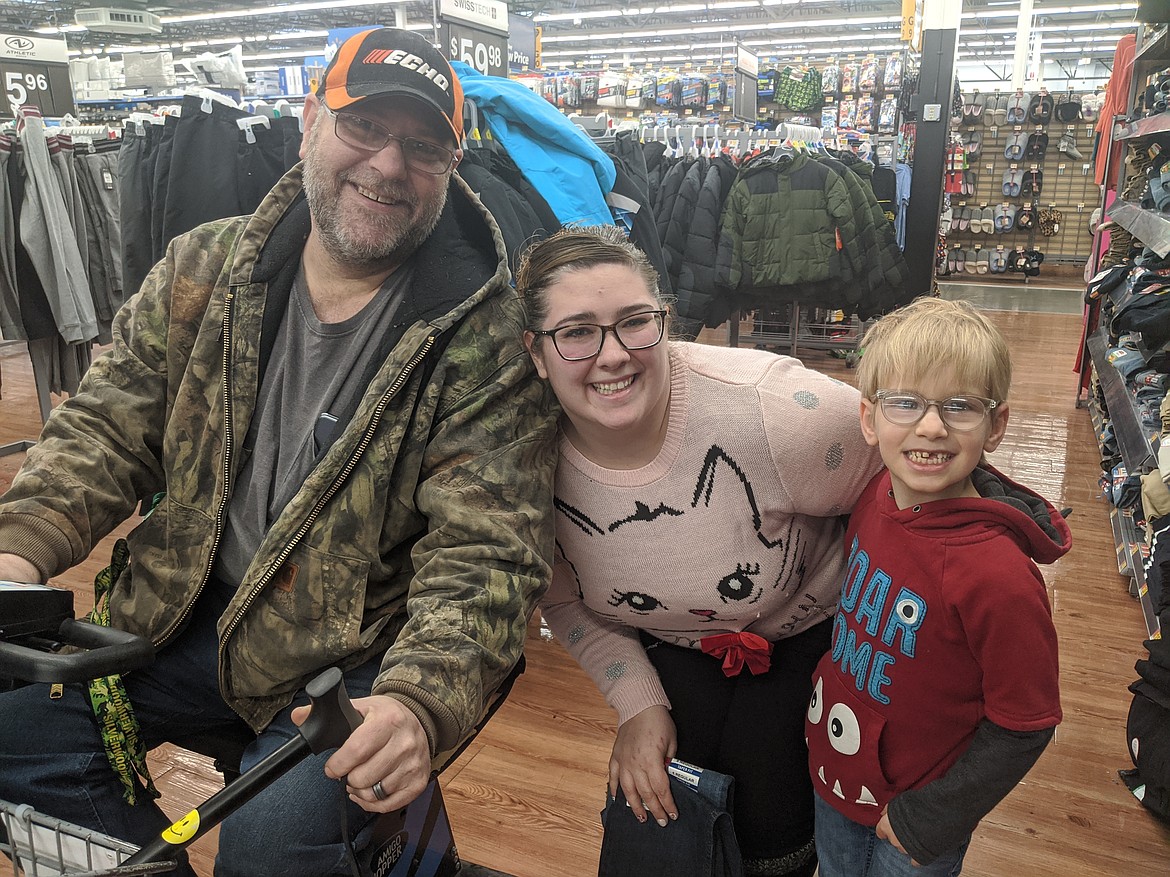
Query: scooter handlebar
point(104, 651)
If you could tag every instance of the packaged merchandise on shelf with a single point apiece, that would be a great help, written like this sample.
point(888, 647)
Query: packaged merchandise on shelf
point(867, 76)
point(829, 117)
point(865, 107)
point(669, 91)
point(649, 90)
point(766, 85)
point(612, 90)
point(717, 91)
point(847, 114)
point(831, 79)
point(848, 78)
point(635, 91)
point(590, 85)
point(893, 75)
point(888, 113)
point(694, 91)
point(568, 90)
point(798, 88)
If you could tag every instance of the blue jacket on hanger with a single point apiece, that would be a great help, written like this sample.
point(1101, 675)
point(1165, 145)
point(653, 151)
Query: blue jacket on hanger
point(556, 156)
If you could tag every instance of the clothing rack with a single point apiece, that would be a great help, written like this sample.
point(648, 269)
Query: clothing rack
point(693, 139)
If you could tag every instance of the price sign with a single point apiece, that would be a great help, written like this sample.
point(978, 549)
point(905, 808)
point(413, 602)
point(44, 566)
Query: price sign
point(476, 33)
point(35, 72)
point(486, 52)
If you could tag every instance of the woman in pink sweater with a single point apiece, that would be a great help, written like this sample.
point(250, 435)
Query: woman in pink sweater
point(699, 498)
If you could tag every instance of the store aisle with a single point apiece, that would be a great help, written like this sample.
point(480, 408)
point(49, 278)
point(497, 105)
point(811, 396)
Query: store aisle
point(525, 796)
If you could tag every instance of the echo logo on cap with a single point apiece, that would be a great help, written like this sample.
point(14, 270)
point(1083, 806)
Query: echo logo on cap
point(410, 62)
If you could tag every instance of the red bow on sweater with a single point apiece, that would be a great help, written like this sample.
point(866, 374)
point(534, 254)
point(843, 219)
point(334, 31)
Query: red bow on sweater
point(736, 649)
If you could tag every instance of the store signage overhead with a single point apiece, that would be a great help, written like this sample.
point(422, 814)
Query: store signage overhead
point(521, 43)
point(34, 71)
point(476, 33)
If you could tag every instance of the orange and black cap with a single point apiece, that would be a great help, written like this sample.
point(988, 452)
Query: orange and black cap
point(387, 61)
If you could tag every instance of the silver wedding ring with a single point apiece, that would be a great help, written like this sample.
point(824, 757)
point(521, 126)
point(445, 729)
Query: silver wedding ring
point(378, 791)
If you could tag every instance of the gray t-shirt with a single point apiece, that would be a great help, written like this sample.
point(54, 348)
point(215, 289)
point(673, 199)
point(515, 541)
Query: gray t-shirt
point(316, 371)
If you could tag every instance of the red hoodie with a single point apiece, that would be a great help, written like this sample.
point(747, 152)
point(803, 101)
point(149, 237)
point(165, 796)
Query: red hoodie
point(943, 621)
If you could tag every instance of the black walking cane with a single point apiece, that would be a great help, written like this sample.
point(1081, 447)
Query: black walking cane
point(330, 722)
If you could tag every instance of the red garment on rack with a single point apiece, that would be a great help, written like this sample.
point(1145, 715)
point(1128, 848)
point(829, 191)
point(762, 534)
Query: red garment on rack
point(1116, 100)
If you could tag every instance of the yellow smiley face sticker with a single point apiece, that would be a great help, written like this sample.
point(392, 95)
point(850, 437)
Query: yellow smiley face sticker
point(183, 830)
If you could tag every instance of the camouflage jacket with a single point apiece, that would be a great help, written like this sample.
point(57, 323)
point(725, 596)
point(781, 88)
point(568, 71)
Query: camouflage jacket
point(424, 533)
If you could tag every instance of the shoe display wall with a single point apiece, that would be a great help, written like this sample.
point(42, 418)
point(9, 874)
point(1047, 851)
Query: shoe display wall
point(1026, 186)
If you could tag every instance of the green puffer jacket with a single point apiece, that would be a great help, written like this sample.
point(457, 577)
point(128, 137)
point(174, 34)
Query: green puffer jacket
point(424, 533)
point(788, 228)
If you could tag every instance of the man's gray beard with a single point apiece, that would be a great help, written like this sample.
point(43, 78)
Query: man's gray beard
point(398, 245)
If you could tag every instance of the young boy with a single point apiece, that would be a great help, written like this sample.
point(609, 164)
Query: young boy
point(940, 691)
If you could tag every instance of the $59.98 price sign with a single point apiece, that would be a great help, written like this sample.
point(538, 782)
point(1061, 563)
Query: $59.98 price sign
point(32, 75)
point(484, 50)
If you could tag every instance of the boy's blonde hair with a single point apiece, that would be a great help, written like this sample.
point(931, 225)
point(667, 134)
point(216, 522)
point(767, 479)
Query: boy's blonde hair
point(929, 334)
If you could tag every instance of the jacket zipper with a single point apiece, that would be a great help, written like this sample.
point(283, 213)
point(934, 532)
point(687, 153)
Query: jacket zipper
point(229, 297)
point(305, 526)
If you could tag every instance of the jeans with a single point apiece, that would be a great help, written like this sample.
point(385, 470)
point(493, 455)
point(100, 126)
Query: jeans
point(51, 757)
point(848, 849)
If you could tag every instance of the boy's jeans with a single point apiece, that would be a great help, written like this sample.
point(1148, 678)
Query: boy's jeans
point(849, 849)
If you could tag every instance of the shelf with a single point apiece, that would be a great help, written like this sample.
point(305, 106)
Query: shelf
point(1156, 47)
point(1137, 449)
point(1159, 124)
point(1148, 226)
point(1130, 549)
point(1133, 544)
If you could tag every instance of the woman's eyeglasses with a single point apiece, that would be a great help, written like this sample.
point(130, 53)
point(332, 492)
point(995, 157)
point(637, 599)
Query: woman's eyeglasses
point(906, 408)
point(584, 340)
point(422, 155)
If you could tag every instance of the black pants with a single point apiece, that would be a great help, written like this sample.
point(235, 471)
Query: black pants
point(751, 727)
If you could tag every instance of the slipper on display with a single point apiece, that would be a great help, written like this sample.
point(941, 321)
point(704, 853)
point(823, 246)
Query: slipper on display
point(978, 102)
point(988, 221)
point(964, 218)
point(983, 263)
point(1017, 110)
point(1037, 146)
point(960, 261)
point(1017, 182)
point(998, 114)
point(998, 262)
point(1006, 188)
point(1033, 183)
point(1040, 109)
point(1014, 148)
point(970, 260)
point(974, 144)
point(1067, 109)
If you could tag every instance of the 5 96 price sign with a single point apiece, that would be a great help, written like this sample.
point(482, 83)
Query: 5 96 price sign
point(45, 86)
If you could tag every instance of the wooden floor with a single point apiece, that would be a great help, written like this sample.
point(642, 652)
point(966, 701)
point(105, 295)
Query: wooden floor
point(525, 796)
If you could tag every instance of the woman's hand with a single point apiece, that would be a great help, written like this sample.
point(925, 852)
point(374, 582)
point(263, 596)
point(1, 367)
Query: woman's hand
point(386, 762)
point(645, 743)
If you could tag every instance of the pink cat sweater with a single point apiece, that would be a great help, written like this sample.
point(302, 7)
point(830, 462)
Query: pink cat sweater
point(734, 527)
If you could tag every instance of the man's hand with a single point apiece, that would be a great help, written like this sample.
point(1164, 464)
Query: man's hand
point(389, 747)
point(645, 743)
point(14, 568)
point(885, 832)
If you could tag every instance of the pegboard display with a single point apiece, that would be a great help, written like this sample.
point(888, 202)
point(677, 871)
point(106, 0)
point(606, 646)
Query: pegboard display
point(994, 168)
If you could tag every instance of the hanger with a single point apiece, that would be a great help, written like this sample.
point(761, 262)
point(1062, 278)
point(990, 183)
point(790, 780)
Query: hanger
point(248, 123)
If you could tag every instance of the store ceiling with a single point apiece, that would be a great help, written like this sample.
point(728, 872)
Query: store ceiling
point(596, 31)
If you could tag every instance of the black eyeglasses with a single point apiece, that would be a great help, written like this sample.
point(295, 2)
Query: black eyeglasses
point(583, 340)
point(906, 408)
point(422, 155)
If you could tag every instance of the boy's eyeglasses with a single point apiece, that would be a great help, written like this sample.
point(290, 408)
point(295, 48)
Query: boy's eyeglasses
point(584, 340)
point(906, 408)
point(422, 155)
